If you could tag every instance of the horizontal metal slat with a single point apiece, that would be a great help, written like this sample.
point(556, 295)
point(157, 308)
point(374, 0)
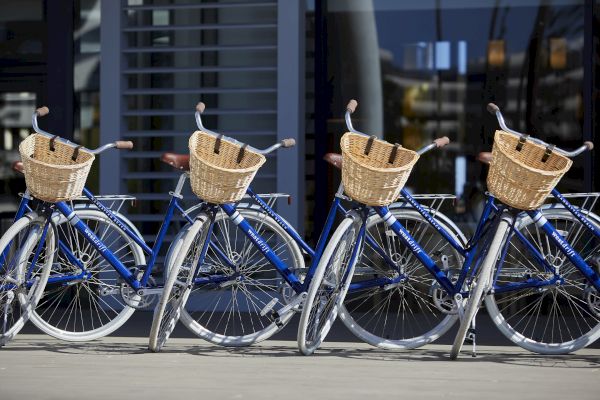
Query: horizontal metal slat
point(152, 196)
point(146, 112)
point(210, 90)
point(151, 218)
point(151, 175)
point(189, 49)
point(176, 70)
point(157, 154)
point(172, 175)
point(199, 27)
point(201, 6)
point(134, 134)
point(142, 154)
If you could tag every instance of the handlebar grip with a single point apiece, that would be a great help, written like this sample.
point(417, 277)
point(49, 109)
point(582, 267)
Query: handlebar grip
point(492, 108)
point(200, 107)
point(124, 144)
point(589, 145)
point(288, 142)
point(42, 111)
point(351, 107)
point(441, 142)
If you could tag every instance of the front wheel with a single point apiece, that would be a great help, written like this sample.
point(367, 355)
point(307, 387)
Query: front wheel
point(179, 283)
point(408, 309)
point(81, 304)
point(236, 283)
point(329, 284)
point(480, 286)
point(26, 254)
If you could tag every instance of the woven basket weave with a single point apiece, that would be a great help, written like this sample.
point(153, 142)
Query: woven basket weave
point(53, 175)
point(521, 179)
point(371, 179)
point(218, 177)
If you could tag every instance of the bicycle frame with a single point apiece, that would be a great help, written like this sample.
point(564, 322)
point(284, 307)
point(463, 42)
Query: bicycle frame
point(470, 250)
point(557, 239)
point(97, 243)
point(315, 253)
point(264, 248)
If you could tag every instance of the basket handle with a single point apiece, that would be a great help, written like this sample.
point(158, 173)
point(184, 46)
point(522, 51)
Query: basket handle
point(217, 148)
point(548, 153)
point(51, 144)
point(522, 141)
point(76, 152)
point(369, 144)
point(242, 153)
point(394, 153)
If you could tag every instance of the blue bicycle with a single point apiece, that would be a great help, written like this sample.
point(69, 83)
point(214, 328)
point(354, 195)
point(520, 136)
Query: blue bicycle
point(543, 293)
point(422, 295)
point(254, 291)
point(96, 274)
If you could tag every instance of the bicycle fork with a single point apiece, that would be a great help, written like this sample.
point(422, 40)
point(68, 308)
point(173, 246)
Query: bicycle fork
point(486, 277)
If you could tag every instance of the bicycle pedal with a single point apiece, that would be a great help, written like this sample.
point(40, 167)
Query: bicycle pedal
point(268, 307)
point(277, 319)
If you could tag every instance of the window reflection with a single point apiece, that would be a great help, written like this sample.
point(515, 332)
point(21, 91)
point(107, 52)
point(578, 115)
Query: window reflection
point(427, 69)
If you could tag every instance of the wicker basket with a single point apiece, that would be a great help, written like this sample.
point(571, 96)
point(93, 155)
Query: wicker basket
point(53, 175)
point(520, 178)
point(368, 175)
point(221, 172)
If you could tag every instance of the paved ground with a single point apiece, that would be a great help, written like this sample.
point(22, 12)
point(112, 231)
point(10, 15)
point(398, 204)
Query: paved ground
point(37, 367)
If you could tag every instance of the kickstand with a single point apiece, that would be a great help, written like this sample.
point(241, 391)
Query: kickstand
point(9, 299)
point(471, 337)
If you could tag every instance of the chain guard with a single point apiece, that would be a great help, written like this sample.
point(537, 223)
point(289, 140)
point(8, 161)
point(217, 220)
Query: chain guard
point(442, 300)
point(130, 296)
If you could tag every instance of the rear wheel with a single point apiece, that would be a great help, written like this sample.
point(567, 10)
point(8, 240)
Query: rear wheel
point(86, 305)
point(26, 253)
point(228, 304)
point(552, 319)
point(414, 310)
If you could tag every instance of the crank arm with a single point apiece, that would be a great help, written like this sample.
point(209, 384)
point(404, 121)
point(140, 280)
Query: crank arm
point(294, 305)
point(149, 291)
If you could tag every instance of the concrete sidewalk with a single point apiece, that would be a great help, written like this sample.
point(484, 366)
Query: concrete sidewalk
point(38, 367)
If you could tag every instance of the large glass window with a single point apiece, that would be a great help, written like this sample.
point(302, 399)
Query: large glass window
point(22, 73)
point(421, 70)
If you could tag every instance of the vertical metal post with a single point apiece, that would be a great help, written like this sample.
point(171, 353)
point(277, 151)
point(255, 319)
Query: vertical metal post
point(590, 87)
point(60, 96)
point(290, 107)
point(321, 114)
point(111, 42)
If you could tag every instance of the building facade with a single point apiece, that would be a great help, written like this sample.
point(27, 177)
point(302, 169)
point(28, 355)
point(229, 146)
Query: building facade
point(271, 69)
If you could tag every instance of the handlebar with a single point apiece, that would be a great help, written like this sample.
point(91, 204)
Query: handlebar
point(43, 111)
point(285, 143)
point(495, 110)
point(351, 108)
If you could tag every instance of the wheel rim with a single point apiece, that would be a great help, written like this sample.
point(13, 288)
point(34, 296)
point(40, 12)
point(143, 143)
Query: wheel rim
point(178, 287)
point(556, 318)
point(22, 282)
point(403, 314)
point(232, 310)
point(330, 290)
point(90, 307)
